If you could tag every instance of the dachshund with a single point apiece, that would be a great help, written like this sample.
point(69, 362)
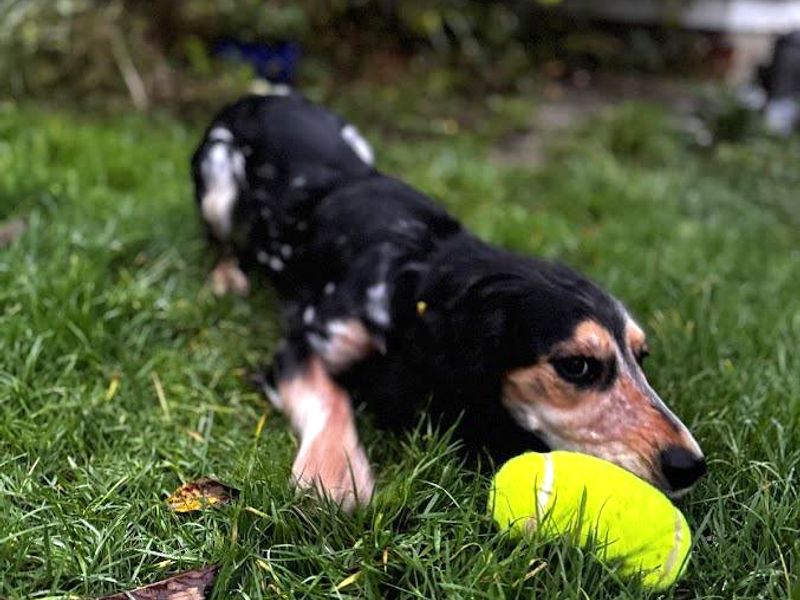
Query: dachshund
point(386, 299)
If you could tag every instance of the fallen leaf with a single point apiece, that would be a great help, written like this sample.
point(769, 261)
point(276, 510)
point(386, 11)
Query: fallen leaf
point(189, 585)
point(11, 230)
point(113, 386)
point(196, 436)
point(262, 564)
point(347, 581)
point(260, 425)
point(200, 494)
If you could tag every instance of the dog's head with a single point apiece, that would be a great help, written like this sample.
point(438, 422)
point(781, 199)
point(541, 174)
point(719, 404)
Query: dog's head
point(570, 359)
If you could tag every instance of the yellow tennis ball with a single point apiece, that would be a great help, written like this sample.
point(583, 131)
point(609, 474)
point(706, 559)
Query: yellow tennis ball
point(566, 493)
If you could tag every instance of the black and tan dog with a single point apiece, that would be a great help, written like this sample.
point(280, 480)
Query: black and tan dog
point(386, 298)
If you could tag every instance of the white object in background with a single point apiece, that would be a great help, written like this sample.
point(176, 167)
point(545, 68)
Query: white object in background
point(782, 115)
point(729, 16)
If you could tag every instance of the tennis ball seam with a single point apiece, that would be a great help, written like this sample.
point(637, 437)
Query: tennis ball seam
point(545, 490)
point(672, 557)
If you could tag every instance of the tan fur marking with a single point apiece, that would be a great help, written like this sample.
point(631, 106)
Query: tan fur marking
point(635, 337)
point(540, 381)
point(590, 339)
point(330, 459)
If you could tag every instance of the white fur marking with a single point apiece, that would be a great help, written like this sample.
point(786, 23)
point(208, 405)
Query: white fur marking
point(377, 309)
point(345, 343)
point(221, 168)
point(340, 328)
point(220, 134)
point(276, 264)
point(358, 144)
point(312, 416)
point(216, 206)
point(377, 291)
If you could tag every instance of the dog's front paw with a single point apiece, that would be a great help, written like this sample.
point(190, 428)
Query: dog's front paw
point(336, 467)
point(228, 278)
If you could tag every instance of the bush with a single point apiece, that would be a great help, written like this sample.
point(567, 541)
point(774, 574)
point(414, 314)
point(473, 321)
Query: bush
point(162, 50)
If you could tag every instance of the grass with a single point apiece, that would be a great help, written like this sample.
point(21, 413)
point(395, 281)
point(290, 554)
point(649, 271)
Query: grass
point(107, 286)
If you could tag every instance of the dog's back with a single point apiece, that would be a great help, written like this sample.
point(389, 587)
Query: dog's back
point(259, 148)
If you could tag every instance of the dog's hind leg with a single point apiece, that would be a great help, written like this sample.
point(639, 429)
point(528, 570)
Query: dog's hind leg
point(227, 277)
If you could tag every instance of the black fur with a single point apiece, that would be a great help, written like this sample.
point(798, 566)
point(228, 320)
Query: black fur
point(458, 313)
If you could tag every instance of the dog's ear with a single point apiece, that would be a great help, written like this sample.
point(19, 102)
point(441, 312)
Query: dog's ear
point(507, 340)
point(524, 323)
point(473, 332)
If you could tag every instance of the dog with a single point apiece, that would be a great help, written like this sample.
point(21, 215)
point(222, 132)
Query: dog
point(387, 299)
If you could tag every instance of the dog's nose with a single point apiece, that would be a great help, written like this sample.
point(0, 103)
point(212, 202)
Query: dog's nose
point(681, 467)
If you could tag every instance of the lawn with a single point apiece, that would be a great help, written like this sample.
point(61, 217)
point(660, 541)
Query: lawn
point(121, 376)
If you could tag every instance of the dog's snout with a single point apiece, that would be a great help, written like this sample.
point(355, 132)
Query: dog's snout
point(681, 467)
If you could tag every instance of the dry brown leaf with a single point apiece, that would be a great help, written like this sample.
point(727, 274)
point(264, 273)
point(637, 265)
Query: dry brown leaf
point(200, 494)
point(189, 585)
point(11, 230)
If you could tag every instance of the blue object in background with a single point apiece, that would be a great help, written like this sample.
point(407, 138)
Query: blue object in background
point(274, 62)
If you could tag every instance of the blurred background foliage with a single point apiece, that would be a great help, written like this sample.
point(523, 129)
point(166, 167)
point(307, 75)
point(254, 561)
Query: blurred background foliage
point(166, 52)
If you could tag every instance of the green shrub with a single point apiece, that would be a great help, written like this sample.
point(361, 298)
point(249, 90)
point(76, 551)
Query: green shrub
point(161, 50)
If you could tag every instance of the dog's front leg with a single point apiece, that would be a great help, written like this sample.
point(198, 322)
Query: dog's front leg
point(331, 459)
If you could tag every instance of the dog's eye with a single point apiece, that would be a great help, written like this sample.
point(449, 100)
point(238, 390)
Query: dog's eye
point(580, 370)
